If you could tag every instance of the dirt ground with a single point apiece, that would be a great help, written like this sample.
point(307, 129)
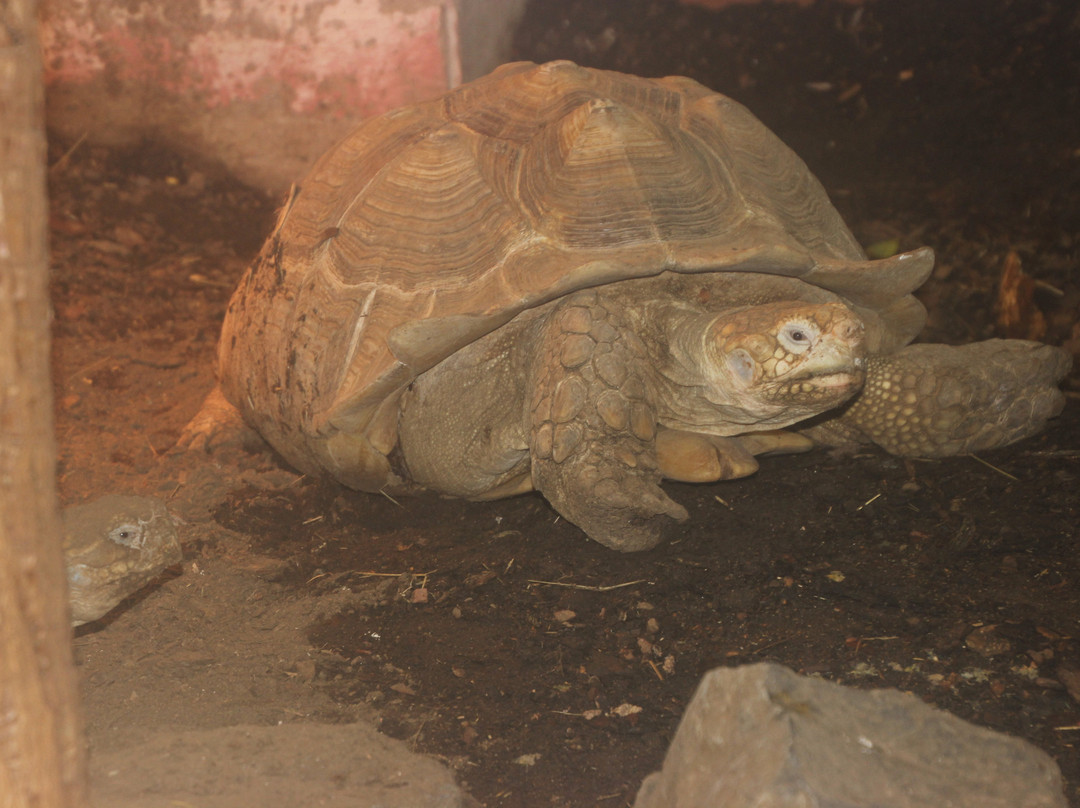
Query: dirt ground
point(540, 668)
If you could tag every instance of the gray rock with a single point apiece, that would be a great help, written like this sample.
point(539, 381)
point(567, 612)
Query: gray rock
point(765, 737)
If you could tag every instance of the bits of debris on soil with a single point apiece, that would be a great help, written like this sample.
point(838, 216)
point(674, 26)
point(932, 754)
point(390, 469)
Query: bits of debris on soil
point(985, 641)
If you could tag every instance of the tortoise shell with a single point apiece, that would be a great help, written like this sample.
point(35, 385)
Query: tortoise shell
point(432, 225)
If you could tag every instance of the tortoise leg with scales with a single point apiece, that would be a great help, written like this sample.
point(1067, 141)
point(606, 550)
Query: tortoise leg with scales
point(583, 282)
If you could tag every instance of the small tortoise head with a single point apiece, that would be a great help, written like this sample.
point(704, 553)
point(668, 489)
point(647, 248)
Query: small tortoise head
point(113, 547)
point(791, 359)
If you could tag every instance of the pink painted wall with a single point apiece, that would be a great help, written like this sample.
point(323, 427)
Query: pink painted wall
point(363, 55)
point(262, 86)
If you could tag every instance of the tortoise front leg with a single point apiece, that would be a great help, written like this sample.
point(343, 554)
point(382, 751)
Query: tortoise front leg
point(592, 428)
point(940, 400)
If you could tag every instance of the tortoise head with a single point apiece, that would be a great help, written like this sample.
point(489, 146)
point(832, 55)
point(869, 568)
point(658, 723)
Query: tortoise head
point(792, 358)
point(114, 546)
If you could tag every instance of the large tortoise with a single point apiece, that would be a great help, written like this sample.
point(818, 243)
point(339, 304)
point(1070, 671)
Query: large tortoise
point(583, 282)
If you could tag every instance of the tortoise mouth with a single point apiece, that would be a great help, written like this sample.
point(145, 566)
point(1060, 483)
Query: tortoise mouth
point(833, 379)
point(830, 383)
point(831, 371)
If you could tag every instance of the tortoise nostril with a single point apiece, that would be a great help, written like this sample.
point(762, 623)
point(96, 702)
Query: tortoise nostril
point(852, 330)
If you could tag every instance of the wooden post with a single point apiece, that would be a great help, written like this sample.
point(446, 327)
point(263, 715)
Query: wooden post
point(42, 759)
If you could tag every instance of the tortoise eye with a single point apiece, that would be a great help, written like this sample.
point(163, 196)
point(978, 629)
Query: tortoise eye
point(797, 338)
point(127, 535)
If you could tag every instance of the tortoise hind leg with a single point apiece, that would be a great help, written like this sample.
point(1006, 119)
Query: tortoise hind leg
point(940, 400)
point(592, 429)
point(692, 457)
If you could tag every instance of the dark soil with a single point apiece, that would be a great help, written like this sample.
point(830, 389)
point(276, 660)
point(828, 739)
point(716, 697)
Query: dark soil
point(543, 668)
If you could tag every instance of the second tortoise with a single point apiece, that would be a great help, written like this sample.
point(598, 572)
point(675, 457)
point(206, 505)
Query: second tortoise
point(113, 547)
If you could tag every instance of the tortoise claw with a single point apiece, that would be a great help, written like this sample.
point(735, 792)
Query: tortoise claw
point(217, 424)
